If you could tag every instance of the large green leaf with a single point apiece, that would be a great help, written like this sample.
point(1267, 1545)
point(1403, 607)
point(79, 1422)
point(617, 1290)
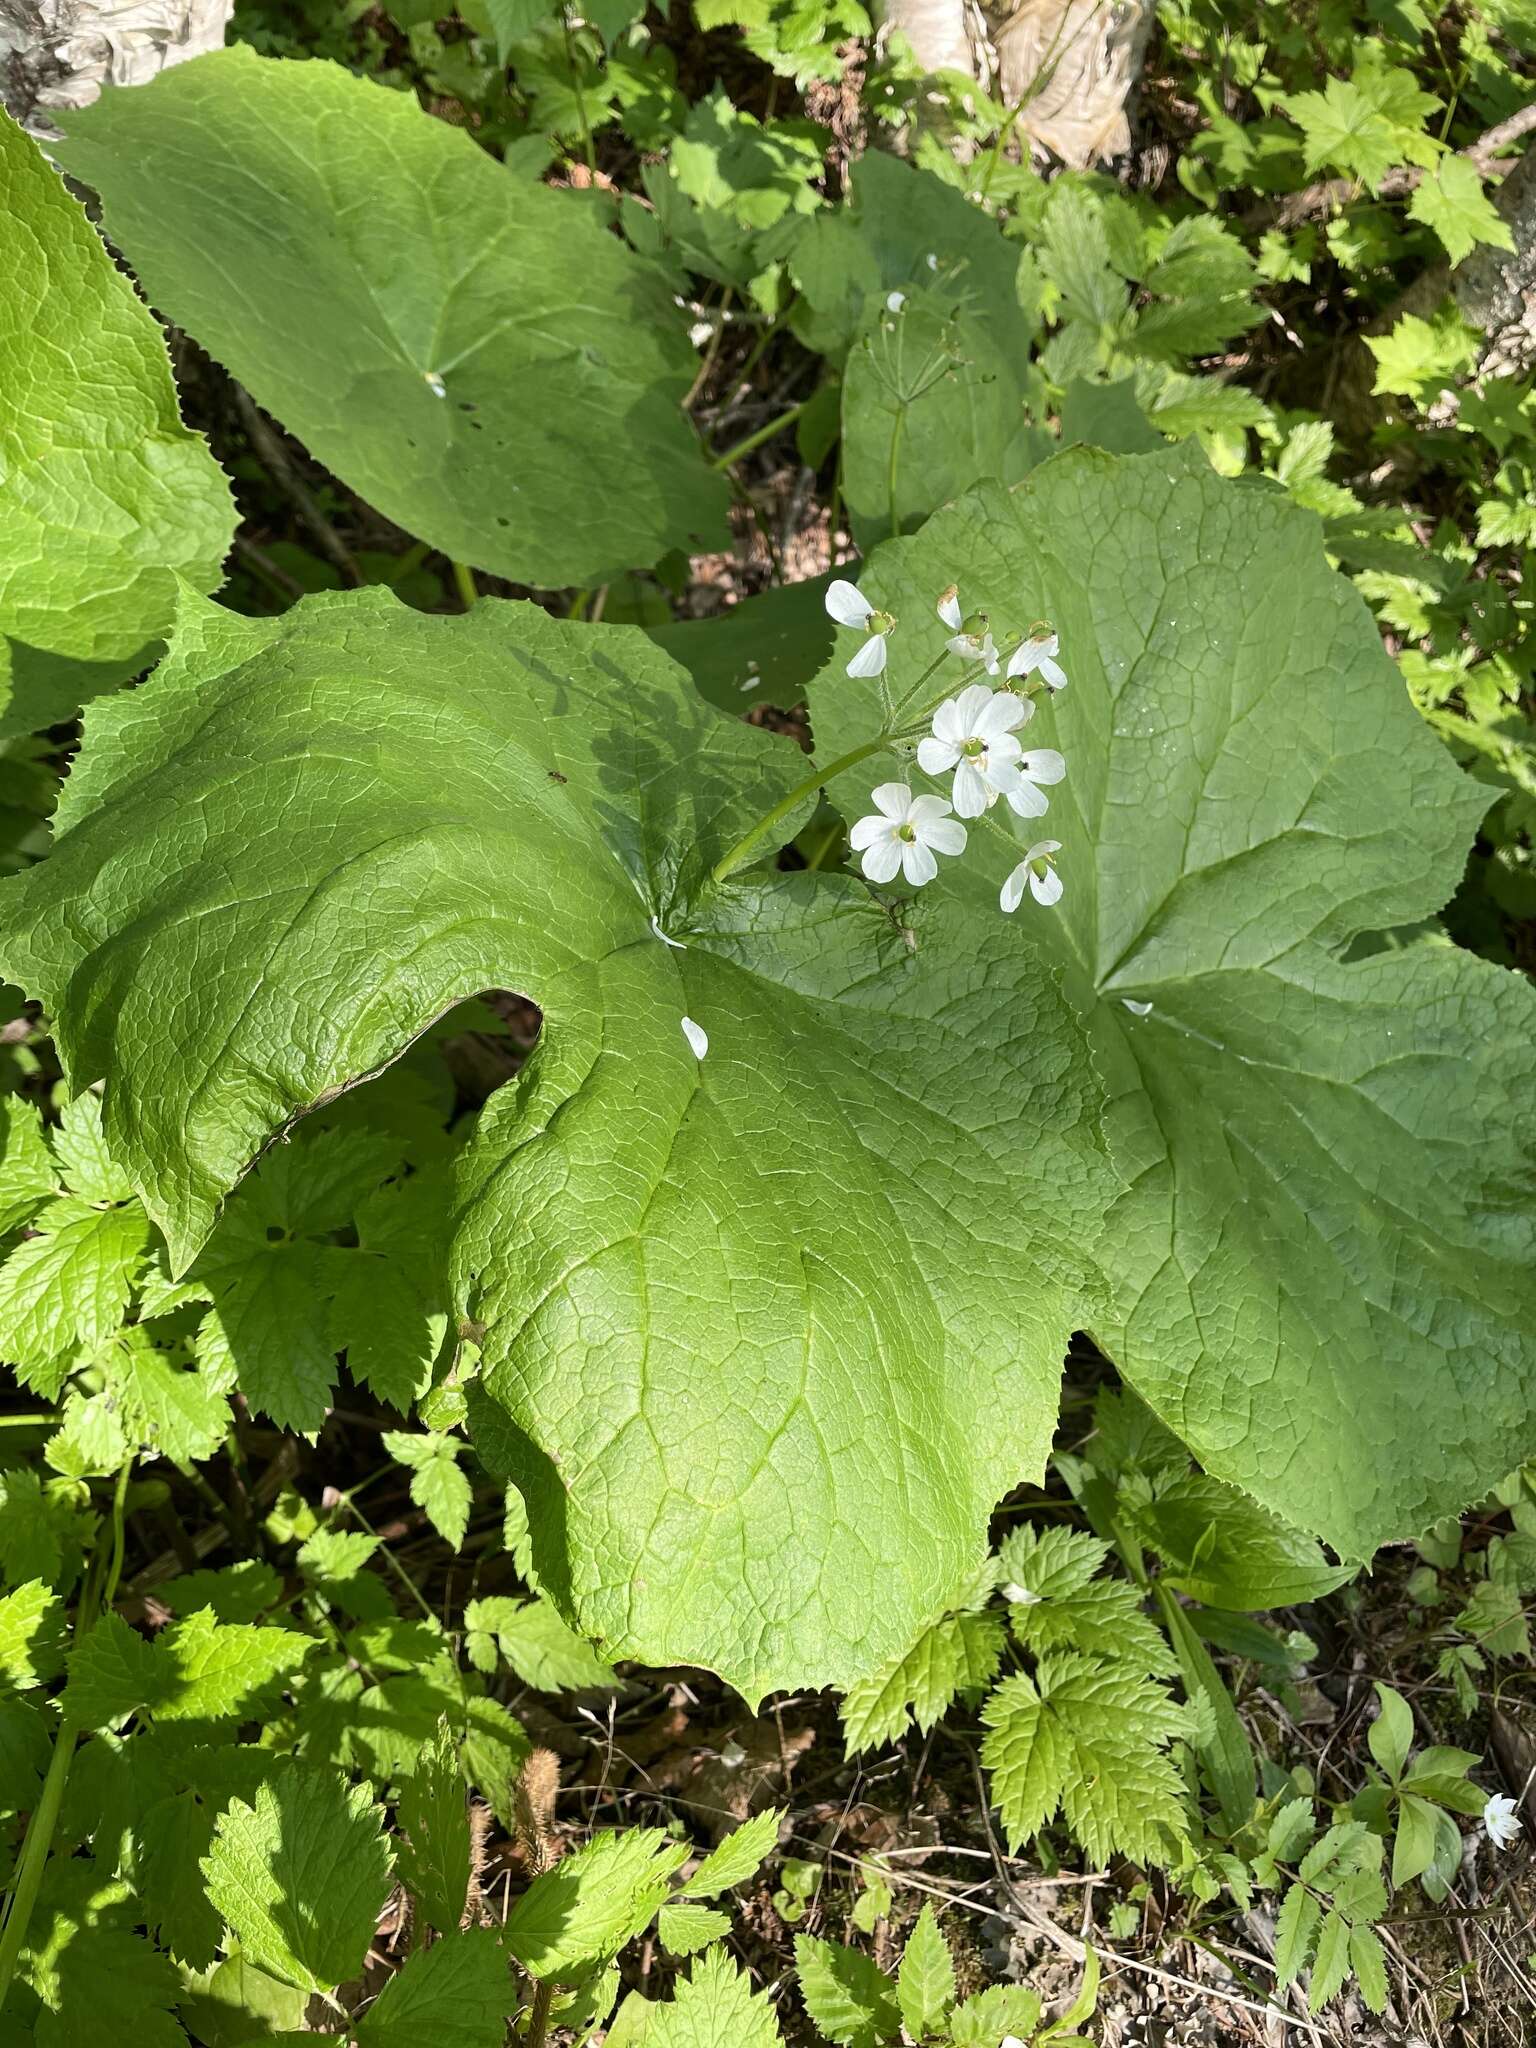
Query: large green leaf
point(924, 291)
point(473, 353)
point(766, 1334)
point(104, 495)
point(1324, 1264)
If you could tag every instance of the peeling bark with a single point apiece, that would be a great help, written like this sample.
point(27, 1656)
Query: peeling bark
point(60, 53)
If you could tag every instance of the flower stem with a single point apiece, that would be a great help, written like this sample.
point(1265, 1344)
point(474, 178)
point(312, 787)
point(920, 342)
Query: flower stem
point(464, 583)
point(737, 856)
point(893, 730)
point(891, 469)
point(785, 419)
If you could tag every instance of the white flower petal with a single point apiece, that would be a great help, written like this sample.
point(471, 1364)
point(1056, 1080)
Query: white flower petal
point(961, 644)
point(945, 835)
point(1045, 888)
point(1025, 658)
point(894, 301)
point(917, 863)
point(894, 799)
point(1055, 675)
point(1501, 1820)
point(870, 659)
point(970, 792)
point(934, 757)
point(1011, 895)
point(1001, 748)
point(970, 704)
point(866, 831)
point(1026, 801)
point(1043, 846)
point(948, 725)
point(1001, 775)
point(883, 859)
point(989, 655)
point(999, 715)
point(697, 1037)
point(681, 945)
point(926, 810)
point(1136, 1009)
point(1044, 764)
point(847, 603)
point(949, 610)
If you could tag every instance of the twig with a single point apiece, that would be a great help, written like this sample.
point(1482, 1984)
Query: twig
point(274, 459)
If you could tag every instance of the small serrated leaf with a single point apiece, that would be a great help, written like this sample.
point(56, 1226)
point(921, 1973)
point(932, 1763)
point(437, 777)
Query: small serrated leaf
point(434, 1851)
point(850, 1999)
point(302, 1875)
point(459, 1993)
point(925, 1981)
point(1295, 1926)
point(1330, 1966)
point(735, 1859)
point(685, 1929)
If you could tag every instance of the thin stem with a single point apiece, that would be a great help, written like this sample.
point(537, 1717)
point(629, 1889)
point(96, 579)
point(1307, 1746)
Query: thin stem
point(413, 558)
point(464, 583)
point(538, 2015)
point(739, 853)
point(730, 862)
point(399, 1570)
point(892, 469)
point(785, 419)
point(44, 1419)
point(711, 352)
point(45, 1815)
point(581, 98)
point(34, 1854)
point(767, 335)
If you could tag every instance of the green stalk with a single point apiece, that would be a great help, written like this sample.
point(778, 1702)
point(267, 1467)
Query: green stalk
point(464, 583)
point(581, 98)
point(34, 1854)
point(45, 1815)
point(785, 419)
point(737, 855)
point(891, 469)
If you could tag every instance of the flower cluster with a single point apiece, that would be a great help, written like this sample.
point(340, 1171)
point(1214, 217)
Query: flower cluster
point(974, 740)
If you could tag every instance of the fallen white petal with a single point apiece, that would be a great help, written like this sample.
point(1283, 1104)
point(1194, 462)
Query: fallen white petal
point(1136, 1009)
point(680, 944)
point(697, 1037)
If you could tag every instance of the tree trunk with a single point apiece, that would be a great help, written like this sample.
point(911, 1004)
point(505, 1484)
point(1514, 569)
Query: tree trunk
point(60, 53)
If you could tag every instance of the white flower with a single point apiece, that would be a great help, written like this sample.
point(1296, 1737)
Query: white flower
point(976, 647)
point(1039, 652)
point(894, 301)
point(905, 832)
point(1040, 764)
point(848, 605)
point(1501, 1820)
point(973, 734)
point(697, 1037)
point(949, 608)
point(1035, 869)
